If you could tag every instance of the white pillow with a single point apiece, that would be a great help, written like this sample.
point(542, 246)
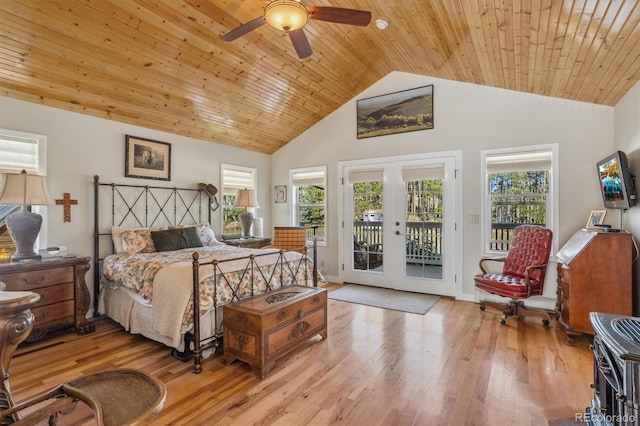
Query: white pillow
point(207, 235)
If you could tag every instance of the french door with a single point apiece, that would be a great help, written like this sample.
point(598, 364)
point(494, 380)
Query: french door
point(399, 218)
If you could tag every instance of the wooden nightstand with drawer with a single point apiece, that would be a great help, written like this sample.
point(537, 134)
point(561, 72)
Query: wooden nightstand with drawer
point(64, 297)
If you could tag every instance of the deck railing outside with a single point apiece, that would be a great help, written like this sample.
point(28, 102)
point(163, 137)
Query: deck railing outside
point(424, 239)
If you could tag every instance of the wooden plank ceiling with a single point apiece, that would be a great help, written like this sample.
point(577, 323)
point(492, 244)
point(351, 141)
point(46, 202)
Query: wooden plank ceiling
point(160, 63)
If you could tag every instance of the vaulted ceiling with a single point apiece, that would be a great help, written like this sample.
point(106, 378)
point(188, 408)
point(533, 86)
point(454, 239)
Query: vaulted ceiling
point(161, 64)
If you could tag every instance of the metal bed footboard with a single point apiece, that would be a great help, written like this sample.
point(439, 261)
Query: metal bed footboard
point(273, 280)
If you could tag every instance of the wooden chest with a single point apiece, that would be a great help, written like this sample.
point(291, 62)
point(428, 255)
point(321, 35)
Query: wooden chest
point(262, 329)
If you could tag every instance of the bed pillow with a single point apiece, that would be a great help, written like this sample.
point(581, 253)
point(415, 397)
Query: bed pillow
point(176, 239)
point(116, 235)
point(207, 236)
point(137, 241)
point(206, 233)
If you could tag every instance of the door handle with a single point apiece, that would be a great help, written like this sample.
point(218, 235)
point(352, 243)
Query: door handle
point(398, 233)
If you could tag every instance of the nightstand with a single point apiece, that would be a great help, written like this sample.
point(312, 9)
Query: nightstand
point(248, 242)
point(64, 296)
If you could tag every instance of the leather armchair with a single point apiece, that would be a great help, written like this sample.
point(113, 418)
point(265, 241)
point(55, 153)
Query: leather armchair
point(523, 272)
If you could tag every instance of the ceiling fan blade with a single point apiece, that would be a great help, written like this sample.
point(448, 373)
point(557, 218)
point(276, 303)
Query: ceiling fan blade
point(340, 15)
point(300, 43)
point(243, 29)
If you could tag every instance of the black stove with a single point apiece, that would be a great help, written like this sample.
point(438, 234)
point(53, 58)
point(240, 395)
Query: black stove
point(616, 384)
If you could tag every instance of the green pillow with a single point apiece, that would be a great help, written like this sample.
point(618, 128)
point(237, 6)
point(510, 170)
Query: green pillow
point(176, 239)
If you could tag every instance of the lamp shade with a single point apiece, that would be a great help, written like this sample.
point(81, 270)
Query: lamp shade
point(246, 198)
point(25, 189)
point(286, 15)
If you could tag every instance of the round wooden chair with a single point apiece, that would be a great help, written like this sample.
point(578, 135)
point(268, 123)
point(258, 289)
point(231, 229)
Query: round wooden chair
point(117, 397)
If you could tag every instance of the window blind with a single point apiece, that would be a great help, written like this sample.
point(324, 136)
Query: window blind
point(525, 162)
point(17, 154)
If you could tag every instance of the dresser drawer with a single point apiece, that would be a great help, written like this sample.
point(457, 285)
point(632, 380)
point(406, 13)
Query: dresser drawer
point(48, 314)
point(296, 332)
point(31, 280)
point(55, 294)
point(294, 312)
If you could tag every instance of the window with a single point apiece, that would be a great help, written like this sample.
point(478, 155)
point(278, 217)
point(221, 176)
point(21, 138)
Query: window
point(310, 201)
point(21, 151)
point(234, 178)
point(518, 189)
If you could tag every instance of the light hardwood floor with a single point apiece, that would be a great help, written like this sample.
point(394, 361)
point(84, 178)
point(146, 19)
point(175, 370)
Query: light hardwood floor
point(455, 365)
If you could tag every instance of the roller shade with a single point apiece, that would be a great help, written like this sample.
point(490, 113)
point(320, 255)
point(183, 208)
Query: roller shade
point(372, 175)
point(526, 162)
point(234, 180)
point(434, 171)
point(307, 177)
point(17, 154)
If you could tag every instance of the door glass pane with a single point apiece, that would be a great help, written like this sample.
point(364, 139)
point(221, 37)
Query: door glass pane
point(423, 256)
point(367, 226)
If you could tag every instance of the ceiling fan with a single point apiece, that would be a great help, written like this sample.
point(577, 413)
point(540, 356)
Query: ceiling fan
point(291, 15)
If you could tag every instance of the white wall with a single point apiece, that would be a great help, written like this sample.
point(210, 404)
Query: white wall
point(80, 146)
point(627, 139)
point(470, 118)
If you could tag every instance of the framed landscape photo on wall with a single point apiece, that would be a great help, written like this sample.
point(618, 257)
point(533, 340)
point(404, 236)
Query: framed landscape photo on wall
point(147, 159)
point(398, 112)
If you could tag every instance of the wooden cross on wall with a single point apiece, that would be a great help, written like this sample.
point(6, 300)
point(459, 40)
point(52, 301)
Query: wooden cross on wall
point(66, 201)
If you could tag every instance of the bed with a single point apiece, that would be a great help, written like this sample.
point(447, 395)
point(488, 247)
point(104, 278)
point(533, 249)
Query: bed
point(160, 271)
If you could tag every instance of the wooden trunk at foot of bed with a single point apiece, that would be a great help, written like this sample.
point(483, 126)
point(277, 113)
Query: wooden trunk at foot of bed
point(199, 344)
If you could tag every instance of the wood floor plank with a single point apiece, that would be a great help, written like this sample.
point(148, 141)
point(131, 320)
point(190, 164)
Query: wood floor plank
point(454, 365)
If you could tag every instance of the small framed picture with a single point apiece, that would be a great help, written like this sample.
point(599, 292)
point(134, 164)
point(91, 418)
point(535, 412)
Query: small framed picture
point(596, 218)
point(280, 193)
point(147, 159)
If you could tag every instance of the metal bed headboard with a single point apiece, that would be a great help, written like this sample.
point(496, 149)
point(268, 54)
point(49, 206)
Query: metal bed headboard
point(141, 206)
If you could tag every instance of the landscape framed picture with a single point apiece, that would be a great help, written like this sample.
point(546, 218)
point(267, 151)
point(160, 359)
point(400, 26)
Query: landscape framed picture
point(398, 112)
point(147, 159)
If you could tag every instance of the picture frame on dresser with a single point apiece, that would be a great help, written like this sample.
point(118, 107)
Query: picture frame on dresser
point(147, 159)
point(596, 218)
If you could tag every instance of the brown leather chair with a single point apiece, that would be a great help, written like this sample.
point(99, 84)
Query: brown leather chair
point(289, 238)
point(117, 397)
point(522, 275)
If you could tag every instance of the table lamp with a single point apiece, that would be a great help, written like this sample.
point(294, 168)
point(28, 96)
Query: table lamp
point(24, 226)
point(246, 198)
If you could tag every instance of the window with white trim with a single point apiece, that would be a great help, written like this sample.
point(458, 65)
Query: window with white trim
point(235, 178)
point(22, 151)
point(308, 186)
point(518, 189)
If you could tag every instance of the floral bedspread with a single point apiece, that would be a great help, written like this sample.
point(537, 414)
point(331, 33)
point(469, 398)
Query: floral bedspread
point(232, 276)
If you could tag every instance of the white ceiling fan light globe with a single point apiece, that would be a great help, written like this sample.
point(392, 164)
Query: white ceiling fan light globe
point(286, 15)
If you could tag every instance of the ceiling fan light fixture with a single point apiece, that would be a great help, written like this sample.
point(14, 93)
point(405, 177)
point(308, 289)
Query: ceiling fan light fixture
point(286, 15)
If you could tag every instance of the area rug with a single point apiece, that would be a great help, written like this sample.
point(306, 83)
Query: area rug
point(415, 303)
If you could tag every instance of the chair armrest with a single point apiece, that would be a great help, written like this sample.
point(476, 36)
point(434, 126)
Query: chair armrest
point(490, 259)
point(526, 275)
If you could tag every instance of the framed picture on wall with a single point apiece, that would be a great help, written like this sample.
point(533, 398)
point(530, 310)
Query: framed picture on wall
point(596, 218)
point(147, 159)
point(399, 112)
point(280, 193)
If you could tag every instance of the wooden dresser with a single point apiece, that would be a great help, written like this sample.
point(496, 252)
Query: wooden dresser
point(262, 329)
point(594, 275)
point(64, 297)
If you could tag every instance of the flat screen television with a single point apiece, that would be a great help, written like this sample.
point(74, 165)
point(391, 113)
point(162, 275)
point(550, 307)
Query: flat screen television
point(616, 182)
